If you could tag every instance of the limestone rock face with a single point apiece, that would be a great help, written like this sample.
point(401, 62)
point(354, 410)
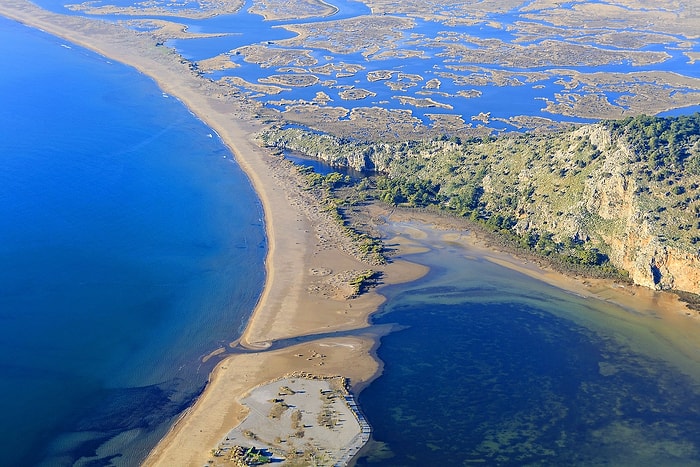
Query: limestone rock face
point(661, 267)
point(635, 221)
point(629, 189)
point(634, 240)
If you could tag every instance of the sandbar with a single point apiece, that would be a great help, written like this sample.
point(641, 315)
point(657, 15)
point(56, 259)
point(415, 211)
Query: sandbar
point(309, 256)
point(302, 240)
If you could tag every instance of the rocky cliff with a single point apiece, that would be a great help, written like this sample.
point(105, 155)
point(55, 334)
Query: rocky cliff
point(623, 193)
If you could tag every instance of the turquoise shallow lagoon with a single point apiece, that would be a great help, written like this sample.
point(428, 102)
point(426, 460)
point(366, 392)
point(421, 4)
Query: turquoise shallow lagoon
point(131, 245)
point(490, 367)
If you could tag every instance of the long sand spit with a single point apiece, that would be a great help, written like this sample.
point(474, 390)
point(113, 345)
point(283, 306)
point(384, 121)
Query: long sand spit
point(306, 250)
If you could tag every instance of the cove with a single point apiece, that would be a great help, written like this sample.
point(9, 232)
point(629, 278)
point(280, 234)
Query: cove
point(492, 367)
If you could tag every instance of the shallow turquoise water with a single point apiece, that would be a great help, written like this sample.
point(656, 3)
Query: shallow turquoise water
point(491, 367)
point(131, 245)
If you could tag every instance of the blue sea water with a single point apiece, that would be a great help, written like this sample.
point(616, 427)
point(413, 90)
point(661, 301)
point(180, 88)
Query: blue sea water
point(490, 367)
point(102, 333)
point(131, 245)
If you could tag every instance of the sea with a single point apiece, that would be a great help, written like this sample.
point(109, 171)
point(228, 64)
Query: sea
point(131, 246)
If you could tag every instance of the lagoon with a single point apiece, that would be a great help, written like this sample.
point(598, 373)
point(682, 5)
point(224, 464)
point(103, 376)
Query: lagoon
point(499, 58)
point(489, 366)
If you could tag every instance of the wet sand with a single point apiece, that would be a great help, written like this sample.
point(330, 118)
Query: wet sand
point(455, 230)
point(309, 256)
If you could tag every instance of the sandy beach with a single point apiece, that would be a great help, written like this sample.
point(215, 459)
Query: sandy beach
point(220, 408)
point(309, 259)
point(454, 230)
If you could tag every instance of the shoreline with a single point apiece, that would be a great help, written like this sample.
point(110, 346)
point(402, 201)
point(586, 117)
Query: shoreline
point(458, 231)
point(307, 268)
point(672, 320)
point(303, 292)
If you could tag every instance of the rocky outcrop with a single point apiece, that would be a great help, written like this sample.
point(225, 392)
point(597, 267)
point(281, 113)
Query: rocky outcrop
point(653, 265)
point(629, 190)
point(641, 224)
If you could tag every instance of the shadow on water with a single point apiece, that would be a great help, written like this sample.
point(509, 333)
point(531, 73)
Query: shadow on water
point(113, 416)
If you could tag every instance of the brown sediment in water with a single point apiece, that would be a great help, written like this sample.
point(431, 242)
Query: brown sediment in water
point(309, 259)
point(664, 324)
point(302, 240)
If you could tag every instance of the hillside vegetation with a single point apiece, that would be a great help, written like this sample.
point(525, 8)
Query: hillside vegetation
point(619, 195)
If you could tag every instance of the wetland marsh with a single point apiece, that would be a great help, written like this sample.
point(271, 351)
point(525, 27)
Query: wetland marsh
point(395, 71)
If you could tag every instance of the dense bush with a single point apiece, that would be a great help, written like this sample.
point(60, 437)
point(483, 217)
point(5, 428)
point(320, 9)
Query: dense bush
point(534, 189)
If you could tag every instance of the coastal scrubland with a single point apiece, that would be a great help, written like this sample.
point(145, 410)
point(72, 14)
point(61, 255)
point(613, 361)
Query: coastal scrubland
point(619, 197)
